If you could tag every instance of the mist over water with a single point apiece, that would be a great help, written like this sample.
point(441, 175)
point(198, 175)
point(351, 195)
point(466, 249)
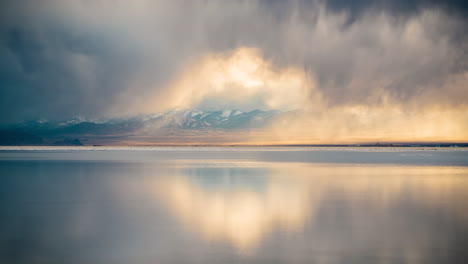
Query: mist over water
point(233, 205)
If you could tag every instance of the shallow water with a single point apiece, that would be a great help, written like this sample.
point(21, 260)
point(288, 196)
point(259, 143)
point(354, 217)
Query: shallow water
point(233, 205)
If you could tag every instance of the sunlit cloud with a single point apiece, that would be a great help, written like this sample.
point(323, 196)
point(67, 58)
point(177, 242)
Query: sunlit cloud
point(365, 74)
point(244, 79)
point(385, 123)
point(241, 79)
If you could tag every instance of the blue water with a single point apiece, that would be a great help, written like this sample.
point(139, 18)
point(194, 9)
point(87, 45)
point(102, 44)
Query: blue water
point(233, 205)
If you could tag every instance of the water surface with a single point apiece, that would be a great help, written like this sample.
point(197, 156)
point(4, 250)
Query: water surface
point(233, 205)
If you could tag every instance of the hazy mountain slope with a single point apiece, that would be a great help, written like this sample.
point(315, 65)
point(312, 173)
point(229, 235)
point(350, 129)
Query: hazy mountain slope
point(167, 124)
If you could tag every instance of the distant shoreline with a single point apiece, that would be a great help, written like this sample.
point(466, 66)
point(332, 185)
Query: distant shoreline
point(378, 145)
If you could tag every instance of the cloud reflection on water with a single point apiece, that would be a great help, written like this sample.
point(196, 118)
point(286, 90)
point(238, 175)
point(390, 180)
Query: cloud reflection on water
point(243, 204)
point(214, 210)
point(237, 209)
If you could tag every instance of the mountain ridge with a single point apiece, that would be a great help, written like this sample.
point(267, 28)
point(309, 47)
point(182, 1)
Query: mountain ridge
point(55, 132)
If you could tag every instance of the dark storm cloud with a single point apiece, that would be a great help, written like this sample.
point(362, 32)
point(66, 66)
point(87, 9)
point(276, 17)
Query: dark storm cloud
point(396, 6)
point(357, 8)
point(97, 58)
point(41, 74)
point(360, 7)
point(57, 70)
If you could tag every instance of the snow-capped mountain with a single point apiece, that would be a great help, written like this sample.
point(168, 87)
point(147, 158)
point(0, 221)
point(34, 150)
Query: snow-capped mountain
point(196, 119)
point(171, 120)
point(173, 125)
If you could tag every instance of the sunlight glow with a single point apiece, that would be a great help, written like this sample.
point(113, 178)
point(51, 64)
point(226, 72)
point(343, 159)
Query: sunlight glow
point(243, 79)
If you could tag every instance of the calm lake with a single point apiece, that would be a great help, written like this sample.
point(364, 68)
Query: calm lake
point(233, 205)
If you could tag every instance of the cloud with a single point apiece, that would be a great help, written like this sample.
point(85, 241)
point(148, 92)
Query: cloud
point(109, 58)
point(241, 79)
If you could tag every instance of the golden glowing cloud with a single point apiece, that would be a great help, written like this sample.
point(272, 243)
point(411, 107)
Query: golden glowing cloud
point(384, 123)
point(243, 79)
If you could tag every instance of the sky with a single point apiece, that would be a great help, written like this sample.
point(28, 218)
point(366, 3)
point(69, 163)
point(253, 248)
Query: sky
point(384, 64)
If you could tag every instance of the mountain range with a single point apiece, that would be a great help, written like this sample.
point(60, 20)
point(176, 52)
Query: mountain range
point(69, 132)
